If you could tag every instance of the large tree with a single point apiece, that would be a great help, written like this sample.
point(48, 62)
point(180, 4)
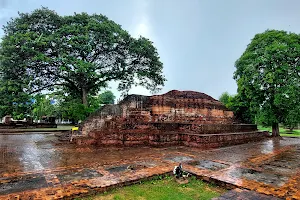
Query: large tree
point(79, 53)
point(268, 76)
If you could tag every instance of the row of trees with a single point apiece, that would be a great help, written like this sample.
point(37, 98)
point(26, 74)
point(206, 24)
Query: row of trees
point(56, 105)
point(268, 79)
point(63, 107)
point(73, 57)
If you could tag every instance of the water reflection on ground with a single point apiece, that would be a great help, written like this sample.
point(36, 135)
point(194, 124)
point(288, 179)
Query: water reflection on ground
point(46, 167)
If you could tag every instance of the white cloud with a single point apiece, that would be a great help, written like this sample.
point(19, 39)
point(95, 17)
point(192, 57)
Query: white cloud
point(141, 25)
point(142, 29)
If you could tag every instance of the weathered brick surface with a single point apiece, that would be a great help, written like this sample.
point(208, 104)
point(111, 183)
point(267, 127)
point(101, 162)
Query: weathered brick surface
point(174, 138)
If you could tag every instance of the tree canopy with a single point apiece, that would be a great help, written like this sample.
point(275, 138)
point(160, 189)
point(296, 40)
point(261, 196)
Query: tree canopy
point(268, 77)
point(13, 100)
point(225, 98)
point(66, 107)
point(72, 108)
point(43, 106)
point(240, 106)
point(78, 54)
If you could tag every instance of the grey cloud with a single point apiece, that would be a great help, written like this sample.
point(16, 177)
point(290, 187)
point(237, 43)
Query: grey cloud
point(198, 40)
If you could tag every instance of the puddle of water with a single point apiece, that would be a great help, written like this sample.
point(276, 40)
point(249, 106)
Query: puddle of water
point(22, 184)
point(73, 176)
point(179, 159)
point(117, 169)
point(284, 163)
point(267, 178)
point(146, 163)
point(277, 169)
point(207, 164)
point(129, 167)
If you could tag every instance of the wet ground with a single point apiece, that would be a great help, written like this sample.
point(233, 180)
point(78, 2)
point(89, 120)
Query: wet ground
point(38, 166)
point(243, 194)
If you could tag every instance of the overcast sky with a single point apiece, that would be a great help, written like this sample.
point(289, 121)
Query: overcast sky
point(198, 40)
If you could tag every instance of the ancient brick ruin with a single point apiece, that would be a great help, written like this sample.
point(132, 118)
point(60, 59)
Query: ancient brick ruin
point(175, 118)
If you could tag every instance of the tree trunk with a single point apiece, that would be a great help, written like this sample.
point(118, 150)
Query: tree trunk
point(275, 130)
point(84, 97)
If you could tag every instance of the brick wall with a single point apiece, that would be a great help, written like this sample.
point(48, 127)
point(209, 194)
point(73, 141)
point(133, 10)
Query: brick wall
point(169, 138)
point(98, 119)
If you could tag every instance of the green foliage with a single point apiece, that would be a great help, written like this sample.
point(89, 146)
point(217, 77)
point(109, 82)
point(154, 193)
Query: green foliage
point(13, 100)
point(292, 119)
point(78, 54)
point(70, 107)
point(240, 106)
point(268, 74)
point(107, 97)
point(224, 98)
point(283, 131)
point(42, 107)
point(73, 109)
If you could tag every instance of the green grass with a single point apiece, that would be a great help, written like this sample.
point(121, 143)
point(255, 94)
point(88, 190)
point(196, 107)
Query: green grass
point(161, 189)
point(282, 131)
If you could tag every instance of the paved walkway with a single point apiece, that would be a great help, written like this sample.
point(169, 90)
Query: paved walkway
point(38, 166)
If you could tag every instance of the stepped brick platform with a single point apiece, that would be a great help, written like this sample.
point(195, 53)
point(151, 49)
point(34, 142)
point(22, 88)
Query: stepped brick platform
point(172, 138)
point(176, 118)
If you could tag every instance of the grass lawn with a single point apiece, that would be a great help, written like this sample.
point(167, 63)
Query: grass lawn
point(282, 131)
point(163, 188)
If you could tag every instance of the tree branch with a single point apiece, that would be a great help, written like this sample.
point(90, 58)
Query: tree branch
point(44, 87)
